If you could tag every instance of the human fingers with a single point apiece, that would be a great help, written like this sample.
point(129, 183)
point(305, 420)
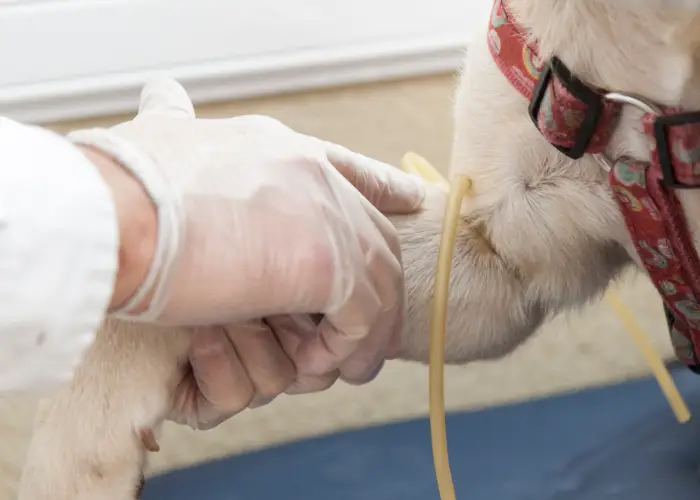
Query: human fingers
point(165, 96)
point(385, 271)
point(291, 331)
point(367, 359)
point(389, 189)
point(269, 368)
point(218, 386)
point(370, 317)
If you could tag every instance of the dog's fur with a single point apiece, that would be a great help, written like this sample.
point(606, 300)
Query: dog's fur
point(542, 234)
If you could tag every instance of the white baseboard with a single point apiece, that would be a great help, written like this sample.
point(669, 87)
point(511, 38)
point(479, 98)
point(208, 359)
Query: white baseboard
point(98, 58)
point(89, 97)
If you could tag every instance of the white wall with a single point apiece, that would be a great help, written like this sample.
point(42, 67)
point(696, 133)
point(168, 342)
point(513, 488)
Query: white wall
point(74, 58)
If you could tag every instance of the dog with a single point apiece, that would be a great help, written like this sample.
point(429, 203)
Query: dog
point(541, 232)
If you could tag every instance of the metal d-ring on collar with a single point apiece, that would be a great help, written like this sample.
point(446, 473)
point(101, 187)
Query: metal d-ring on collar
point(634, 101)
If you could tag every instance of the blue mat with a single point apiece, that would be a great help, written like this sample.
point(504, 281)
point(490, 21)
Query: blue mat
point(619, 442)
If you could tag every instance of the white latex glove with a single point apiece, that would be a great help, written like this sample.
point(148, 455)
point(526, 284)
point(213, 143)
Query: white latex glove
point(257, 220)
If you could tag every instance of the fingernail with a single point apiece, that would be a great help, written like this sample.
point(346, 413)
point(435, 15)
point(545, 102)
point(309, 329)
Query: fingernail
point(258, 402)
point(306, 385)
point(376, 372)
point(365, 379)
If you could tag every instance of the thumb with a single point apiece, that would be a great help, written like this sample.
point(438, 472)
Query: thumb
point(165, 96)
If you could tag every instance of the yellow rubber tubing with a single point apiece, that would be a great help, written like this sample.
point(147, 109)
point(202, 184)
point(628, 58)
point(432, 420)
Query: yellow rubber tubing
point(658, 368)
point(437, 339)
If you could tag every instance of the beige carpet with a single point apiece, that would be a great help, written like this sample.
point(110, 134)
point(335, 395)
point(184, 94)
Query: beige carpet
point(386, 120)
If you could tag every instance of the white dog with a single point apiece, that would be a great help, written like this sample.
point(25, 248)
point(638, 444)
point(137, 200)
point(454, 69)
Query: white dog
point(541, 233)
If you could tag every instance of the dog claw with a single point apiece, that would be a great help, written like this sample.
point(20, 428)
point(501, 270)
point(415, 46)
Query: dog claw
point(149, 440)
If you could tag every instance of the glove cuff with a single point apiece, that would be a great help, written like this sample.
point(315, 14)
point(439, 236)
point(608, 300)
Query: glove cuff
point(169, 213)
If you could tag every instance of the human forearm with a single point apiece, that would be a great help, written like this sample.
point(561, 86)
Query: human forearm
point(137, 222)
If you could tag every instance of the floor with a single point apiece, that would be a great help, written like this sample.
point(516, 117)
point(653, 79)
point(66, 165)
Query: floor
point(386, 120)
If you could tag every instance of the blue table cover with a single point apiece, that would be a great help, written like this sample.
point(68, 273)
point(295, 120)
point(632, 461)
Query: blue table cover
point(617, 442)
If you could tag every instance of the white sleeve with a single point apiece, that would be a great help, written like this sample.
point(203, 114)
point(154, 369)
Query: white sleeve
point(58, 257)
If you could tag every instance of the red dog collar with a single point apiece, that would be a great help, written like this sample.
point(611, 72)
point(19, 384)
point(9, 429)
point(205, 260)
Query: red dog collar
point(578, 120)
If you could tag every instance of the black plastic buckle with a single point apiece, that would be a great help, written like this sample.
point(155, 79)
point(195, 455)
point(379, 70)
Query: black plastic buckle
point(592, 99)
point(661, 125)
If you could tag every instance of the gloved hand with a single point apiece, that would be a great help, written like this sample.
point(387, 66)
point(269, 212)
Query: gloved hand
point(256, 220)
point(237, 367)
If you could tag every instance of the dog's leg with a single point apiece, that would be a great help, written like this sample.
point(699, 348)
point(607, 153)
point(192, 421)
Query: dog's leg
point(541, 233)
point(495, 303)
point(91, 439)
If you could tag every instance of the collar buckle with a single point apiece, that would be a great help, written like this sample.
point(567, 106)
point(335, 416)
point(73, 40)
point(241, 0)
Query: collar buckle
point(580, 91)
point(668, 156)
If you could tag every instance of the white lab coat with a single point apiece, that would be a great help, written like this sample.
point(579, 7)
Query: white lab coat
point(58, 257)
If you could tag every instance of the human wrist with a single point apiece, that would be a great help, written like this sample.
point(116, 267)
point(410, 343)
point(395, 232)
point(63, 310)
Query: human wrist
point(137, 222)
